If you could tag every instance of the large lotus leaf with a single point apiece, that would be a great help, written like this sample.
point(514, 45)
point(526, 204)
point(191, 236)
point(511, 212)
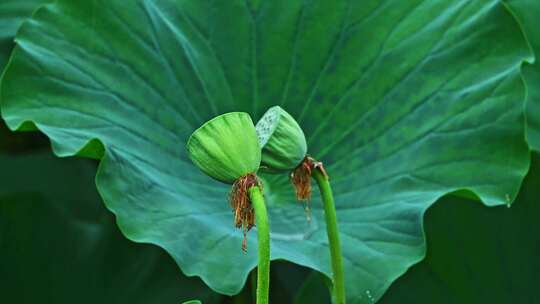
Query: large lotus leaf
point(528, 12)
point(12, 14)
point(58, 244)
point(403, 100)
point(478, 254)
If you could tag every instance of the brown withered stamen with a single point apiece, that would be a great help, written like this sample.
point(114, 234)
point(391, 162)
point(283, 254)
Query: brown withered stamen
point(301, 177)
point(244, 213)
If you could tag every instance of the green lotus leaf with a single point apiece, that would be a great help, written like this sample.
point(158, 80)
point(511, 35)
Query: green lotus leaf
point(282, 140)
point(478, 254)
point(12, 14)
point(388, 94)
point(527, 12)
point(226, 147)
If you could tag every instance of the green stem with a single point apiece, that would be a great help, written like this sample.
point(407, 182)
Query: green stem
point(263, 231)
point(333, 235)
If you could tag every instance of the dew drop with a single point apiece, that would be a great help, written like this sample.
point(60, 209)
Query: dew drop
point(369, 296)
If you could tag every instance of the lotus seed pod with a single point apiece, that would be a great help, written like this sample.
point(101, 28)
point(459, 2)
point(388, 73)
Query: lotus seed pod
point(226, 147)
point(282, 140)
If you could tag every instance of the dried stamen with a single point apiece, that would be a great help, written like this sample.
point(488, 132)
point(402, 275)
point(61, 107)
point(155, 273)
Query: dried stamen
point(301, 177)
point(244, 213)
point(301, 180)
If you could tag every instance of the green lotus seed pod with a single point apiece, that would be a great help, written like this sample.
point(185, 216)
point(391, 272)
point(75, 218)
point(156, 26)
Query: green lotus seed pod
point(226, 147)
point(282, 140)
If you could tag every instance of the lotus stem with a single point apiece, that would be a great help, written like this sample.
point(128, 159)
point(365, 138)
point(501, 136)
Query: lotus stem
point(333, 234)
point(263, 232)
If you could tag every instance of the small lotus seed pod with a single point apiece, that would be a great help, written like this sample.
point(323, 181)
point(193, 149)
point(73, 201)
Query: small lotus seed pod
point(284, 149)
point(226, 147)
point(282, 140)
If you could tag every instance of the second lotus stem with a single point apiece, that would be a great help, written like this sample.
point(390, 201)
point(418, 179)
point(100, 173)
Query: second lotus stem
point(333, 235)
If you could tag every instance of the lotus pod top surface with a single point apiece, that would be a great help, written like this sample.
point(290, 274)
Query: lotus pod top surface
point(282, 140)
point(226, 147)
